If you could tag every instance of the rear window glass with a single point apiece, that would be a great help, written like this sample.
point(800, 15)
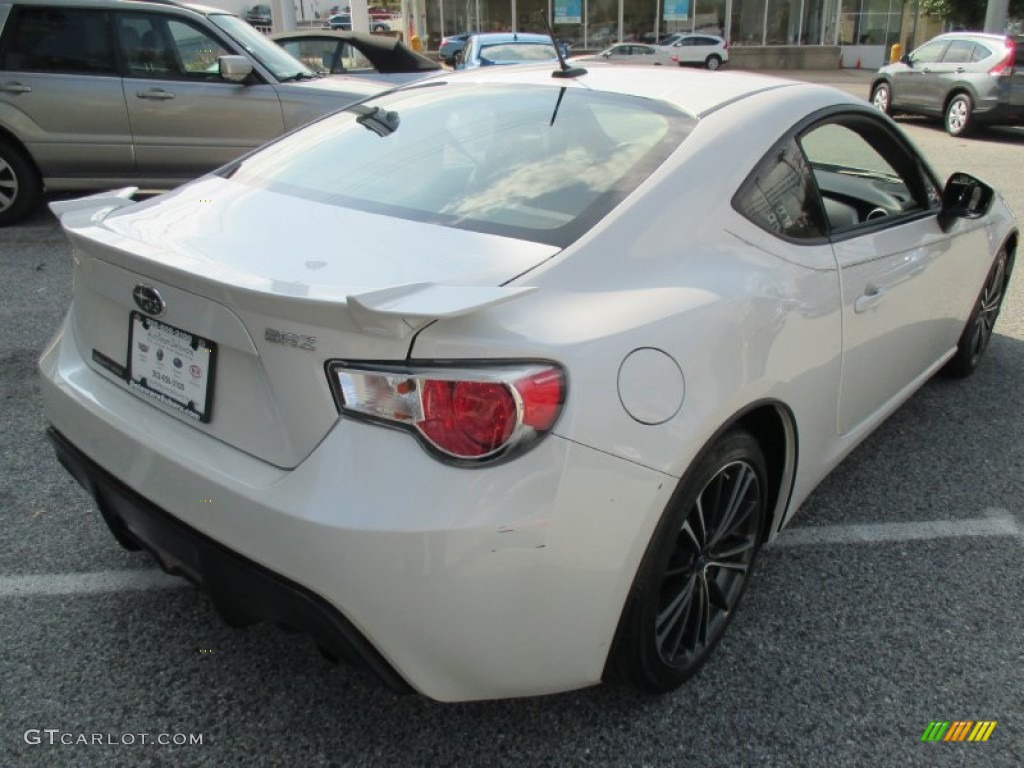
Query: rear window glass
point(532, 162)
point(517, 52)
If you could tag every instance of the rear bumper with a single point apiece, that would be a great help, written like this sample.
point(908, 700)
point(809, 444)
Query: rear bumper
point(459, 583)
point(243, 591)
point(999, 113)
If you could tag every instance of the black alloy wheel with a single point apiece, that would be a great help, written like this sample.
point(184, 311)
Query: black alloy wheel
point(695, 569)
point(982, 321)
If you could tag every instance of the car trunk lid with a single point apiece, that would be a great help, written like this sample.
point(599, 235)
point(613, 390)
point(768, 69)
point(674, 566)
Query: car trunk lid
point(275, 286)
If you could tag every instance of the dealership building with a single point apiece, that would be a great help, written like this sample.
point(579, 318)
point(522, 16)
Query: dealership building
point(764, 33)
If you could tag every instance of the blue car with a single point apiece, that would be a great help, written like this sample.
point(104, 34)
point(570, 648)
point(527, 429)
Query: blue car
point(505, 48)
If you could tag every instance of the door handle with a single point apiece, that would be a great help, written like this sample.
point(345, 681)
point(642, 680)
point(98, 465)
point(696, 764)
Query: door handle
point(155, 93)
point(15, 88)
point(869, 300)
point(959, 70)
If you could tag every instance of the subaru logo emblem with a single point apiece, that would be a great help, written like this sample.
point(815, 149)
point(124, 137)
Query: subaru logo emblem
point(148, 300)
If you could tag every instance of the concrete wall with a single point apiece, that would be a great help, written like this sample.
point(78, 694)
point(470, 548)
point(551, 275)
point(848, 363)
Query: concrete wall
point(784, 57)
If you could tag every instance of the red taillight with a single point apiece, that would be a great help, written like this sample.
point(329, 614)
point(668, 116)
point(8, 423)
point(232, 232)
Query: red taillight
point(725, 45)
point(674, 58)
point(541, 395)
point(467, 418)
point(1005, 66)
point(467, 414)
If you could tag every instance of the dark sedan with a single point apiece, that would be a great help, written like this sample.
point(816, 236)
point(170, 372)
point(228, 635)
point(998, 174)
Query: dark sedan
point(354, 53)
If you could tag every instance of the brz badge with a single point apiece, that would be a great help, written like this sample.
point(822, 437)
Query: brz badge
point(149, 300)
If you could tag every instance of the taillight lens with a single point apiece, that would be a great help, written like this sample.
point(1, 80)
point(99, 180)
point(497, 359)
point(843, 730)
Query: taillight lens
point(467, 414)
point(1005, 66)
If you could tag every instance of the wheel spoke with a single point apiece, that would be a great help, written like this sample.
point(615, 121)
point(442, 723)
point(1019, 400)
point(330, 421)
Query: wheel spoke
point(704, 618)
point(691, 537)
point(740, 548)
point(715, 595)
point(671, 622)
point(728, 521)
point(701, 534)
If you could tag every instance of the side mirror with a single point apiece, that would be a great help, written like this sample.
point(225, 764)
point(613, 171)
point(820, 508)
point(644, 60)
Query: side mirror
point(905, 59)
point(234, 68)
point(607, 54)
point(964, 197)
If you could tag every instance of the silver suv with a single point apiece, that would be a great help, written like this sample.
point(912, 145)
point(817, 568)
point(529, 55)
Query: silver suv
point(104, 93)
point(966, 78)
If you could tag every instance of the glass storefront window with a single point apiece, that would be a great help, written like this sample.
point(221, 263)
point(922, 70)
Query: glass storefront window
point(602, 20)
point(748, 22)
point(594, 24)
point(709, 17)
point(783, 22)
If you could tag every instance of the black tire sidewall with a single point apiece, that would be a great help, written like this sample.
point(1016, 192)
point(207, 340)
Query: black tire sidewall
point(29, 191)
point(969, 120)
point(635, 658)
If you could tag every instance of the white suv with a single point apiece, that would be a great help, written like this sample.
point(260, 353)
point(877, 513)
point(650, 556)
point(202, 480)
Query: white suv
point(708, 51)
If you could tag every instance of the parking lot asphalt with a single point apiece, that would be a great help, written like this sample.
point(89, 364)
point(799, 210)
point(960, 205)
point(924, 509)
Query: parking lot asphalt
point(892, 602)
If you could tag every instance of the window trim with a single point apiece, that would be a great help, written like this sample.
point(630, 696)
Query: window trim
point(864, 115)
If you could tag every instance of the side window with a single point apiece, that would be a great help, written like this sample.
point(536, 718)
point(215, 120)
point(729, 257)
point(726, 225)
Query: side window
point(196, 50)
point(980, 53)
point(930, 53)
point(155, 46)
point(780, 197)
point(68, 40)
point(959, 52)
point(865, 174)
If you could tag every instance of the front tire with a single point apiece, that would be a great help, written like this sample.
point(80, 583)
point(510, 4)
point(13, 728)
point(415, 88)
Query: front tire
point(695, 570)
point(982, 320)
point(713, 62)
point(959, 115)
point(881, 97)
point(20, 187)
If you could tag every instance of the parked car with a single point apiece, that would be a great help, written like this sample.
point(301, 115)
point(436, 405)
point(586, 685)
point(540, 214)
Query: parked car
point(177, 91)
point(499, 48)
point(708, 51)
point(356, 54)
point(259, 16)
point(451, 45)
point(510, 435)
point(968, 79)
point(343, 22)
point(632, 53)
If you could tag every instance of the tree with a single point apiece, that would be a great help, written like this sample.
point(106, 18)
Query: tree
point(967, 14)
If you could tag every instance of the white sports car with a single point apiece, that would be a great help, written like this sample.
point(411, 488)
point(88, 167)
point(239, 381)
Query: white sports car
point(437, 381)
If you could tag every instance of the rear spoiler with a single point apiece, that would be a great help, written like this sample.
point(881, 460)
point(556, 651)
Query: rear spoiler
point(85, 210)
point(400, 311)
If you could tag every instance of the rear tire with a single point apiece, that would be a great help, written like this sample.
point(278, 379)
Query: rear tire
point(713, 62)
point(959, 115)
point(21, 189)
point(695, 570)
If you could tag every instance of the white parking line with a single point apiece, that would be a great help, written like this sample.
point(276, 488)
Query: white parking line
point(88, 583)
point(997, 522)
